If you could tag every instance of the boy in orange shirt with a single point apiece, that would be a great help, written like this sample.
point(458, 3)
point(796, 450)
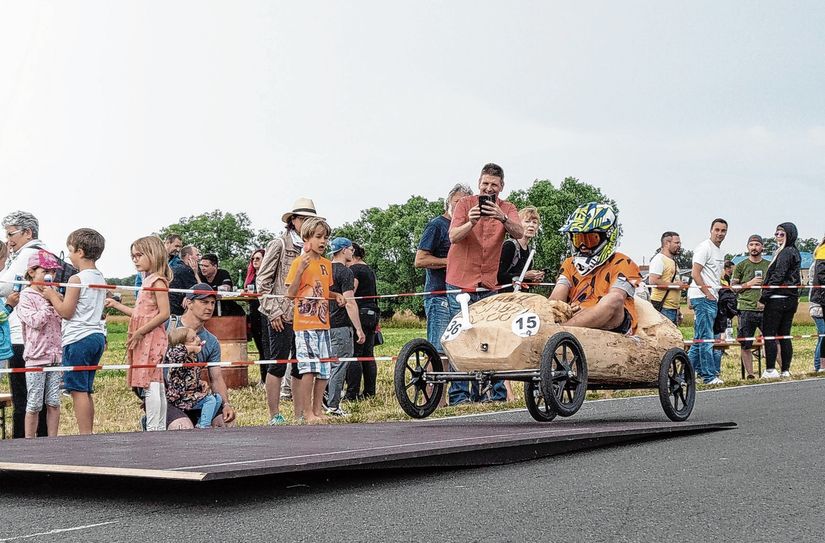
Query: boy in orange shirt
point(309, 280)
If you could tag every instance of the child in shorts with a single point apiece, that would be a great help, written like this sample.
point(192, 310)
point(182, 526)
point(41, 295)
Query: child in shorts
point(309, 280)
point(186, 390)
point(42, 339)
point(81, 306)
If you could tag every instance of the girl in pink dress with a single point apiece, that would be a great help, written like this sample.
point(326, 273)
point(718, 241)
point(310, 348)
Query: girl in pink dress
point(146, 336)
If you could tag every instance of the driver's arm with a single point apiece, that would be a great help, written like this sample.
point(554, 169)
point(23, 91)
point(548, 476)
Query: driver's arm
point(603, 313)
point(561, 291)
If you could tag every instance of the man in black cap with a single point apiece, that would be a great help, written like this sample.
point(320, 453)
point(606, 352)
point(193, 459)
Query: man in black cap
point(201, 305)
point(747, 274)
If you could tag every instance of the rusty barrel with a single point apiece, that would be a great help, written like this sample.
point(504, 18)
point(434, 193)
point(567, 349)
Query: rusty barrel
point(231, 333)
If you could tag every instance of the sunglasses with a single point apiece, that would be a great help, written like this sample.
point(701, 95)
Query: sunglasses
point(586, 240)
point(779, 234)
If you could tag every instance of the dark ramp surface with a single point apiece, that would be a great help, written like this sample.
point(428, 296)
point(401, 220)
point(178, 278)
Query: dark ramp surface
point(250, 452)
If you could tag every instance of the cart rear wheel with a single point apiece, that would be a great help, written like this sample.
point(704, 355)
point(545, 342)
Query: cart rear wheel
point(677, 385)
point(415, 395)
point(536, 406)
point(563, 374)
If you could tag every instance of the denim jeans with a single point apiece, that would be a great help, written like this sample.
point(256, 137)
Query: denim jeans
point(341, 342)
point(437, 309)
point(818, 353)
point(701, 354)
point(208, 405)
point(460, 390)
point(670, 314)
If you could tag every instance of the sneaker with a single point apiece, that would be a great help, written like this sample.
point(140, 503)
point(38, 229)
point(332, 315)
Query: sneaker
point(715, 381)
point(770, 374)
point(277, 420)
point(337, 412)
point(785, 374)
point(821, 370)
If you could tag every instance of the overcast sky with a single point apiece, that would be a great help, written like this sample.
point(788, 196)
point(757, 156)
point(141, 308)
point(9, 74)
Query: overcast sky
point(126, 116)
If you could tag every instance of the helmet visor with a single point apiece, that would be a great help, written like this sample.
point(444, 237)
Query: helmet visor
point(586, 240)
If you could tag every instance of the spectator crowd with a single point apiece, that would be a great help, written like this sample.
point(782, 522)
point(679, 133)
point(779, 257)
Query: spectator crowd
point(317, 301)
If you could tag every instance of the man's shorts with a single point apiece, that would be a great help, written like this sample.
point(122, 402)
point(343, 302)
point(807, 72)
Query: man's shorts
point(310, 346)
point(749, 321)
point(43, 387)
point(626, 325)
point(174, 413)
point(85, 352)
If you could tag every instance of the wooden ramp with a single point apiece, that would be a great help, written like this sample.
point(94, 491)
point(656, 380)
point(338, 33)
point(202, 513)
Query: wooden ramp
point(212, 455)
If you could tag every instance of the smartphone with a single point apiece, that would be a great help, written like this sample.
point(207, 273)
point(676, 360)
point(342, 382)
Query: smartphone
point(485, 198)
point(17, 286)
point(757, 273)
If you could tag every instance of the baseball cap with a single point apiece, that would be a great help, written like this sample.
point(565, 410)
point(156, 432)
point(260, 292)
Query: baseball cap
point(338, 244)
point(757, 238)
point(44, 259)
point(200, 293)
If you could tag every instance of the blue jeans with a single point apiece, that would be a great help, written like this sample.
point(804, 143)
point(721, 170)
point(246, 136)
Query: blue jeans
point(437, 309)
point(818, 353)
point(701, 354)
point(342, 342)
point(670, 314)
point(208, 405)
point(460, 390)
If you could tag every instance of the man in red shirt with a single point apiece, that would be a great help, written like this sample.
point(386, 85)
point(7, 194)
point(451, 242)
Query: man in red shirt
point(476, 235)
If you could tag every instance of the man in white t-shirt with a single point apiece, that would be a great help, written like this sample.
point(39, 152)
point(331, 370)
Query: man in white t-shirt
point(703, 294)
point(664, 274)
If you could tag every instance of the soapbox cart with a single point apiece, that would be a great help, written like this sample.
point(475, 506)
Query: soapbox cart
point(521, 337)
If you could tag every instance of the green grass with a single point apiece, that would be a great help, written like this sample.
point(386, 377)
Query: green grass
point(118, 409)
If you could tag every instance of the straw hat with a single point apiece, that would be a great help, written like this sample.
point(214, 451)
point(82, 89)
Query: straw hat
point(303, 207)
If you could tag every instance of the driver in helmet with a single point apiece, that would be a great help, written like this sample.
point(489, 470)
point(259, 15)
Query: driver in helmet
point(596, 281)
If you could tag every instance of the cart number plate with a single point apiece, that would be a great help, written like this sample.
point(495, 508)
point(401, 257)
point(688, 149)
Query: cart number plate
point(526, 324)
point(453, 329)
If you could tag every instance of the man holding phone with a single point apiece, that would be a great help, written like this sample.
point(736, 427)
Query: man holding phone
point(476, 235)
point(746, 275)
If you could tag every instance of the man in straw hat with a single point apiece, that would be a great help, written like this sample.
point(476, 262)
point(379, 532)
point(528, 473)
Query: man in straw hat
point(276, 310)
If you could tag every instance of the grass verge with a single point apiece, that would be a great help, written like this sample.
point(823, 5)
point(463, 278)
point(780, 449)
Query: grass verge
point(117, 409)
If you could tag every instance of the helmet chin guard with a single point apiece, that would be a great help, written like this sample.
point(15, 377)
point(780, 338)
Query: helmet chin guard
point(592, 217)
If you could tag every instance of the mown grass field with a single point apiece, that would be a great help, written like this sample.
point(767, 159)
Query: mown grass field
point(118, 409)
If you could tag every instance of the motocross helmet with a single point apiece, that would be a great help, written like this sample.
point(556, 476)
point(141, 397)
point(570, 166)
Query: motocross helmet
point(593, 233)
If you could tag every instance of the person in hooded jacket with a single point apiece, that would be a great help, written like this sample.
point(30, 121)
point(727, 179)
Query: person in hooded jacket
point(781, 304)
point(817, 303)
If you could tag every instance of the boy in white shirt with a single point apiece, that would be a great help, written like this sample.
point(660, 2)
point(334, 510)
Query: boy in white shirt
point(83, 339)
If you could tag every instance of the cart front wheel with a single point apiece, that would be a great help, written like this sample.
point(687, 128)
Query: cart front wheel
point(415, 395)
point(563, 374)
point(677, 385)
point(538, 408)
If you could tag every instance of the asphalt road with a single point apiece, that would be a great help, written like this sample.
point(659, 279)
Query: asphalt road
point(759, 482)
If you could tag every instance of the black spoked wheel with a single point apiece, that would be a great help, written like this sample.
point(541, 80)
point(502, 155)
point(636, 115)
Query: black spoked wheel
point(536, 406)
point(415, 395)
point(677, 385)
point(563, 374)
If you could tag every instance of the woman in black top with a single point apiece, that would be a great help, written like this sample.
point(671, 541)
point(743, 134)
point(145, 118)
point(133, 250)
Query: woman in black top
point(369, 313)
point(781, 304)
point(253, 319)
point(514, 253)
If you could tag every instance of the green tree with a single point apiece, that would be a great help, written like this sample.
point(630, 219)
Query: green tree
point(684, 260)
point(555, 205)
point(807, 244)
point(228, 235)
point(390, 238)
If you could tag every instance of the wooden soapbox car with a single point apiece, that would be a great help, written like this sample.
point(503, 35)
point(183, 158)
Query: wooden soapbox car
point(521, 337)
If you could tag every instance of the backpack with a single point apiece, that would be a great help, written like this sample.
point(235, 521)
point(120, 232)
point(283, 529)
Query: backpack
point(66, 269)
